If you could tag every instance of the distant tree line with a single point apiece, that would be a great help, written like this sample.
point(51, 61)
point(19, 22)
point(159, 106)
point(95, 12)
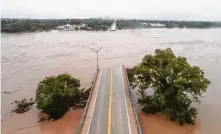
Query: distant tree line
point(125, 24)
point(30, 25)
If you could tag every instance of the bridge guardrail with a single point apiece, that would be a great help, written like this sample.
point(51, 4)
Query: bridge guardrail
point(86, 107)
point(136, 116)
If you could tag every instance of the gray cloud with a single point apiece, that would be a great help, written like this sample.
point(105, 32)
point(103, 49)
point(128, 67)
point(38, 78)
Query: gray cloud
point(140, 9)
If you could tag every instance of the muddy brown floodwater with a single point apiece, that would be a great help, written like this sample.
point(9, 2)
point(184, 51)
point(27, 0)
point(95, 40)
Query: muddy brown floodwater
point(27, 123)
point(27, 58)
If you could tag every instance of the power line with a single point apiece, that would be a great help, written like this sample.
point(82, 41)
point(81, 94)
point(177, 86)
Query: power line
point(96, 51)
point(118, 57)
point(110, 58)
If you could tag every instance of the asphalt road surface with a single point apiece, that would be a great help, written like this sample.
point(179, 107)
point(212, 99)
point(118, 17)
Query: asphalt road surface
point(109, 115)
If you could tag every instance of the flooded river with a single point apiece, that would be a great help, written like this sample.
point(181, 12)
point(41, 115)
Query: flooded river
point(27, 58)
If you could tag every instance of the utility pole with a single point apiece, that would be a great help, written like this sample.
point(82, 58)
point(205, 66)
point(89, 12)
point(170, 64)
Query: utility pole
point(97, 52)
point(97, 56)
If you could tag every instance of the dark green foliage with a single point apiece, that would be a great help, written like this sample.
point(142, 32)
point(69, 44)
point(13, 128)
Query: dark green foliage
point(130, 73)
point(11, 26)
point(101, 27)
point(175, 82)
point(129, 24)
point(125, 24)
point(30, 25)
point(55, 94)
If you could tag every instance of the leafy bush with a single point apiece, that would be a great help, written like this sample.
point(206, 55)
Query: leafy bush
point(175, 82)
point(55, 94)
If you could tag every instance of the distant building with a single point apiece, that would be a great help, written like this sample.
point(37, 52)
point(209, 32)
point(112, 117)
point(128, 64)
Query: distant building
point(144, 23)
point(60, 27)
point(83, 25)
point(153, 25)
point(66, 27)
point(157, 25)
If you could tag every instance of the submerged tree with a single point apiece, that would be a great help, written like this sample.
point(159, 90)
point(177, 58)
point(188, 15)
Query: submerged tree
point(23, 105)
point(176, 84)
point(55, 94)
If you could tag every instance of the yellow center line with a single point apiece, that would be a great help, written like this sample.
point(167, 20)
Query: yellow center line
point(110, 106)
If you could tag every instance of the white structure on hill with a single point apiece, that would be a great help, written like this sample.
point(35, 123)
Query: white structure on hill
point(113, 26)
point(157, 25)
point(68, 27)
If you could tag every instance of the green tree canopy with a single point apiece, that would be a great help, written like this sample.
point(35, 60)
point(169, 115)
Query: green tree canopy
point(176, 84)
point(55, 94)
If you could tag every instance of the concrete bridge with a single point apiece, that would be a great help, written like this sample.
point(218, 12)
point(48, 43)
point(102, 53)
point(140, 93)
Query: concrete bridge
point(110, 109)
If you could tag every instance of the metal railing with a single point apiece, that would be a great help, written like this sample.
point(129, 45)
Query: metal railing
point(86, 107)
point(136, 116)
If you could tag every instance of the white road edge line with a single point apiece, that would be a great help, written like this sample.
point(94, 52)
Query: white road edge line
point(125, 99)
point(95, 101)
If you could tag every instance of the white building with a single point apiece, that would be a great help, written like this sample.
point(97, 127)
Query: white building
point(60, 27)
point(83, 25)
point(156, 25)
point(66, 27)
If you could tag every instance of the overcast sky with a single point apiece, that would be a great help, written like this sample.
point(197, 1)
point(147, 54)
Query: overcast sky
point(138, 9)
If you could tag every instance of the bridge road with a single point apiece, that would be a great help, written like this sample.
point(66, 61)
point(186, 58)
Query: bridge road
point(110, 109)
point(99, 119)
point(120, 120)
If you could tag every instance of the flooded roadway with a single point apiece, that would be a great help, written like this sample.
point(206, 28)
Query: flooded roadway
point(27, 58)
